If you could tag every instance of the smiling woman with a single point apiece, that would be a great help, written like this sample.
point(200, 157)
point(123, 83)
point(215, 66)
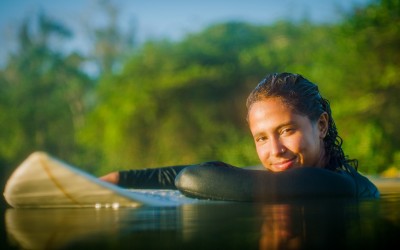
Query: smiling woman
point(297, 143)
point(285, 139)
point(292, 123)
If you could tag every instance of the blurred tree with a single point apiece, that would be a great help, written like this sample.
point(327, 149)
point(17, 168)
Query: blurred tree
point(111, 44)
point(42, 94)
point(371, 38)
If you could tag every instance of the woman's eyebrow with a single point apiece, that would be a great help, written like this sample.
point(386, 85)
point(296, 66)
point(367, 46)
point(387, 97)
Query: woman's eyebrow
point(291, 122)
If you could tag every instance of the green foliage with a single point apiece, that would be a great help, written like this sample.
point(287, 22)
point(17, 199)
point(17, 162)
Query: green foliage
point(110, 42)
point(184, 102)
point(42, 96)
point(369, 108)
point(172, 107)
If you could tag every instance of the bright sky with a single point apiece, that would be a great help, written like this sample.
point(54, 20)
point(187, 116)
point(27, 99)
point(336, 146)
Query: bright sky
point(164, 18)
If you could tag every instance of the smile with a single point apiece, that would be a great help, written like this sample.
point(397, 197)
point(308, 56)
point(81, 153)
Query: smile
point(284, 165)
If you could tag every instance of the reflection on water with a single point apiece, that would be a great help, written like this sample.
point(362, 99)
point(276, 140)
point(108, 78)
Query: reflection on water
point(314, 224)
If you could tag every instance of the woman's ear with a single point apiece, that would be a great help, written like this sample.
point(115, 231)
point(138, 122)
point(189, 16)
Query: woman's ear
point(323, 124)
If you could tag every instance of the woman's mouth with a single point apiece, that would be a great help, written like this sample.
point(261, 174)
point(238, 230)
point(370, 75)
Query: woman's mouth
point(283, 165)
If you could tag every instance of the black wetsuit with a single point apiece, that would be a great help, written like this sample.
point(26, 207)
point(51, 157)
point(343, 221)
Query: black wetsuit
point(156, 178)
point(219, 180)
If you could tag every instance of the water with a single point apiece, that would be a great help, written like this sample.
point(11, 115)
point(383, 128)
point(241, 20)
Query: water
point(312, 224)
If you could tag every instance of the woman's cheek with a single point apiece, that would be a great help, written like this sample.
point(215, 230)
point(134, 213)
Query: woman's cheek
point(294, 144)
point(262, 152)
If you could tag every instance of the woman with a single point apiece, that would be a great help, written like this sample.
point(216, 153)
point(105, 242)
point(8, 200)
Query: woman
point(296, 140)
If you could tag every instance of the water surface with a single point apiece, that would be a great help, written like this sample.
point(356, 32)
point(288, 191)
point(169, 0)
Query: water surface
point(310, 224)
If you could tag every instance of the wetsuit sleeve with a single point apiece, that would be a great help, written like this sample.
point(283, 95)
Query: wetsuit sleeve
point(235, 184)
point(157, 178)
point(151, 178)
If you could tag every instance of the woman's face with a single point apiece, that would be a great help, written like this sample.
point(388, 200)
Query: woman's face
point(285, 139)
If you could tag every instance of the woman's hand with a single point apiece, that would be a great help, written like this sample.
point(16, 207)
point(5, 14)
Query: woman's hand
point(112, 177)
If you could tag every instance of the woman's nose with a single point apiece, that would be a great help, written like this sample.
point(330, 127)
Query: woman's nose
point(277, 148)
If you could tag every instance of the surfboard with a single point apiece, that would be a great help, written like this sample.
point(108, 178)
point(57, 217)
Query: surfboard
point(43, 181)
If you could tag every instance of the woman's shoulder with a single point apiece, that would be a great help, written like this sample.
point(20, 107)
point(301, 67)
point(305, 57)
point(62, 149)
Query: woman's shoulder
point(365, 188)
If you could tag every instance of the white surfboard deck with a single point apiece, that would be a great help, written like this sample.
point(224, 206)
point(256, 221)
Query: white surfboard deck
point(43, 181)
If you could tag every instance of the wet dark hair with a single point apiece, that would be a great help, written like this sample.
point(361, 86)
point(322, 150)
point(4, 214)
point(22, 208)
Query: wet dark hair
point(303, 97)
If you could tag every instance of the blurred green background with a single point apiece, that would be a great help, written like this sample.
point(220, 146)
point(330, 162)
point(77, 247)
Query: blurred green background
point(169, 102)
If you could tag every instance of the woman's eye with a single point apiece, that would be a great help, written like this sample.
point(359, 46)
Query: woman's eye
point(287, 131)
point(261, 139)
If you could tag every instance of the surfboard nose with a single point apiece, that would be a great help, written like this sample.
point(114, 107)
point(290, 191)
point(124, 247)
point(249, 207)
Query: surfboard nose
point(24, 177)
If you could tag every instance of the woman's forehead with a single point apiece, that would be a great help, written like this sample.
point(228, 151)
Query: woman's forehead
point(271, 103)
point(272, 107)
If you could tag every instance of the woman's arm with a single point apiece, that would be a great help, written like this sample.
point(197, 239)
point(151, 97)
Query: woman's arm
point(151, 178)
point(236, 184)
